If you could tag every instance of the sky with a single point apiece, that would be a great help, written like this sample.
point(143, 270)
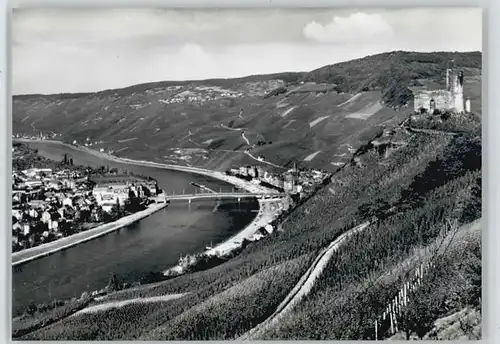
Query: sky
point(83, 50)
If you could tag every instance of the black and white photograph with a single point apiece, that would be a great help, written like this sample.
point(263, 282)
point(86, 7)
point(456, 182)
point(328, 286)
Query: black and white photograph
point(246, 174)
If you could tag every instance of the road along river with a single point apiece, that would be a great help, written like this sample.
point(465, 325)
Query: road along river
point(152, 244)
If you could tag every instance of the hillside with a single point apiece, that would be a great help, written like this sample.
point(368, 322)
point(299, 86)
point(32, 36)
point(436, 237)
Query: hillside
point(414, 187)
point(414, 190)
point(218, 120)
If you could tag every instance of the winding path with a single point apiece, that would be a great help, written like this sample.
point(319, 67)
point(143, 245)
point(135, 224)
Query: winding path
point(304, 285)
point(245, 138)
point(122, 303)
point(263, 161)
point(233, 129)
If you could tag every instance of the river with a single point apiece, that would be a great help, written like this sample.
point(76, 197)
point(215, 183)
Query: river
point(151, 244)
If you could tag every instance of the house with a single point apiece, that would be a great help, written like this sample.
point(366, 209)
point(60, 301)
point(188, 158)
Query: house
point(16, 198)
point(61, 212)
point(37, 204)
point(289, 186)
point(269, 228)
point(54, 226)
point(26, 229)
point(33, 213)
point(108, 206)
point(69, 183)
point(61, 196)
point(94, 215)
point(243, 170)
point(54, 184)
point(45, 171)
point(17, 227)
point(46, 217)
point(33, 183)
point(67, 202)
point(55, 215)
point(79, 201)
point(109, 193)
point(259, 234)
point(17, 214)
point(260, 172)
point(252, 172)
point(69, 212)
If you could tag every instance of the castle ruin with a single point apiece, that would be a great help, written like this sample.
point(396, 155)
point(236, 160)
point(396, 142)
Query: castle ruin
point(450, 99)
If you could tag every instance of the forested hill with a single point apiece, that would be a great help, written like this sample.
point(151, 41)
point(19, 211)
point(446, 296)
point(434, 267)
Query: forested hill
point(379, 71)
point(393, 73)
point(367, 73)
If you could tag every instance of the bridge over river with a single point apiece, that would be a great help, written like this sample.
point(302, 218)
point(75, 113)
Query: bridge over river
point(221, 195)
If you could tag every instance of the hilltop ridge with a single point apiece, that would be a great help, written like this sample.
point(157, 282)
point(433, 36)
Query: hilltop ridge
point(216, 123)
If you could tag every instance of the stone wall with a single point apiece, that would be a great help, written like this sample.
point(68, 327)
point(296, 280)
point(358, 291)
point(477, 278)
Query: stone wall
point(442, 98)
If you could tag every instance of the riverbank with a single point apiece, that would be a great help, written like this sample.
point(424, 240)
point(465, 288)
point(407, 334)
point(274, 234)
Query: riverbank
point(265, 216)
point(33, 253)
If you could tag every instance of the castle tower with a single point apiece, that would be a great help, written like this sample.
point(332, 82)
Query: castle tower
point(467, 105)
point(449, 71)
point(448, 79)
point(458, 92)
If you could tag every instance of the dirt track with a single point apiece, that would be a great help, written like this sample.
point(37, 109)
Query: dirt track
point(304, 286)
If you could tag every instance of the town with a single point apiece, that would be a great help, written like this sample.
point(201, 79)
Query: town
point(51, 203)
point(293, 182)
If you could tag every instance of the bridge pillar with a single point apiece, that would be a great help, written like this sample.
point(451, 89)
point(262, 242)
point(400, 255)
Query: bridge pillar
point(189, 200)
point(239, 199)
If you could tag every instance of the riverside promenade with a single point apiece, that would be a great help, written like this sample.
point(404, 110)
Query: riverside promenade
point(33, 253)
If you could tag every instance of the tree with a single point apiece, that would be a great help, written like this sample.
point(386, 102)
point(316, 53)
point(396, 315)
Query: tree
point(32, 308)
point(113, 284)
point(473, 209)
point(377, 208)
point(397, 94)
point(116, 210)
